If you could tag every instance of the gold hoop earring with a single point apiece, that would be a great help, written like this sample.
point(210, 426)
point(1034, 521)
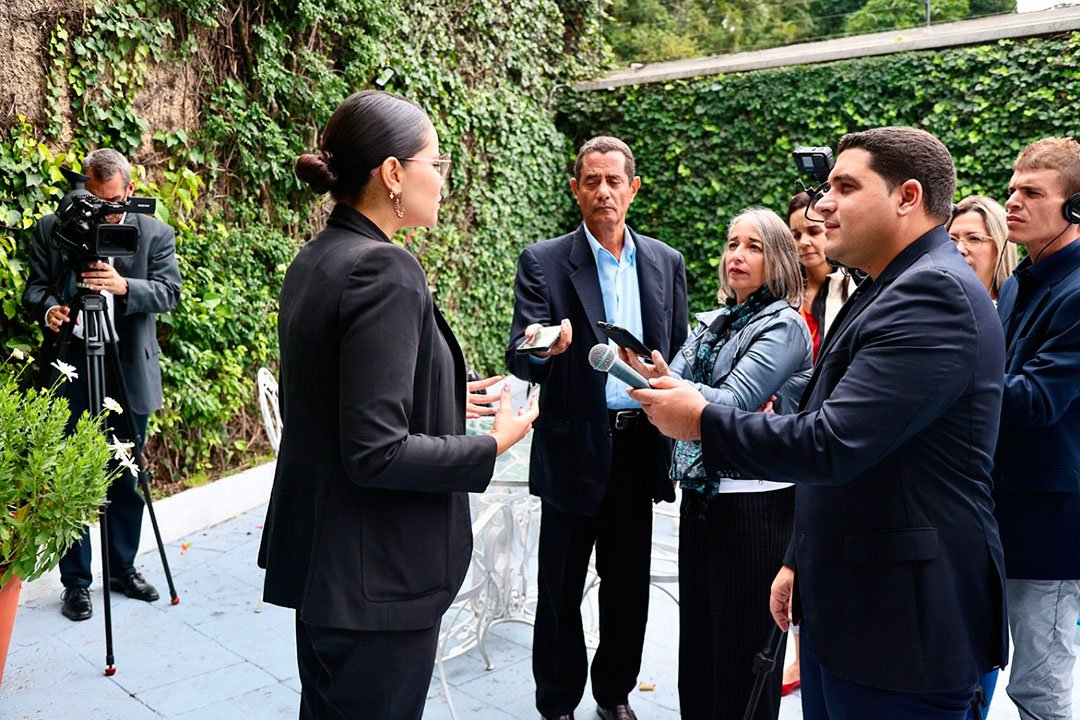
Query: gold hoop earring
point(399, 210)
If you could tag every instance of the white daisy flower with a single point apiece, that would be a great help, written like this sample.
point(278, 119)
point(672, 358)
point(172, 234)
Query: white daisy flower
point(68, 371)
point(113, 406)
point(121, 450)
point(129, 463)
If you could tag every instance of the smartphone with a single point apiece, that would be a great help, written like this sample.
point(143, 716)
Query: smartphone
point(542, 340)
point(624, 338)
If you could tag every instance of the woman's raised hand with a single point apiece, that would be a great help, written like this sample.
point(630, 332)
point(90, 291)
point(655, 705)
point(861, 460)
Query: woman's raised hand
point(658, 368)
point(479, 403)
point(509, 427)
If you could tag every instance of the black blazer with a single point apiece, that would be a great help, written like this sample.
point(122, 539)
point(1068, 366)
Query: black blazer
point(153, 287)
point(571, 447)
point(1037, 466)
point(898, 561)
point(368, 524)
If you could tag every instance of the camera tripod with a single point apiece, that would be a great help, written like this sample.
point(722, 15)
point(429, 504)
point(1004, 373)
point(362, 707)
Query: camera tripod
point(100, 340)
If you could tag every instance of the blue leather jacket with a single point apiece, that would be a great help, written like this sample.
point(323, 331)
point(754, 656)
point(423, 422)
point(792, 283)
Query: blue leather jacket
point(771, 354)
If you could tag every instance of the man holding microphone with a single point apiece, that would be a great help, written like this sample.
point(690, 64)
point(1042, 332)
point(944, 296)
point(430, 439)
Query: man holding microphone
point(900, 577)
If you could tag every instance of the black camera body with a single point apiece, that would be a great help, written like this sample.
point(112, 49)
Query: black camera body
point(82, 229)
point(815, 162)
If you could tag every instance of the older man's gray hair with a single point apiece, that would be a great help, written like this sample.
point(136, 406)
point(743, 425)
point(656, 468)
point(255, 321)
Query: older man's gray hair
point(102, 164)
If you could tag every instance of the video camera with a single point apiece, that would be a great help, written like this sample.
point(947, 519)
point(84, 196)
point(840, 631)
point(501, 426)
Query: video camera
point(815, 162)
point(81, 227)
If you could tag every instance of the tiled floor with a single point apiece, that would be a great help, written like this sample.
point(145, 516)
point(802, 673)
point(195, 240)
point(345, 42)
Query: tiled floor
point(212, 656)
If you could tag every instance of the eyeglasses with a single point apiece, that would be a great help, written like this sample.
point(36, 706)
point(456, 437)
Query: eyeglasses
point(441, 163)
point(972, 241)
point(815, 197)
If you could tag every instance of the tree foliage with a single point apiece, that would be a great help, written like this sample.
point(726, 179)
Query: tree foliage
point(656, 30)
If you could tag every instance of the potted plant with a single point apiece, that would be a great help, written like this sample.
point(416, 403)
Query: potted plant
point(52, 483)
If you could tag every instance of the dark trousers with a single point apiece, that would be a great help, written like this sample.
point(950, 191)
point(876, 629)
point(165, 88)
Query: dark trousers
point(622, 533)
point(125, 509)
point(727, 561)
point(828, 697)
point(373, 675)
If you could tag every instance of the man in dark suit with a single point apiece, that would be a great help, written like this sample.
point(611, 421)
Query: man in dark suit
point(900, 577)
point(1037, 466)
point(135, 288)
point(596, 463)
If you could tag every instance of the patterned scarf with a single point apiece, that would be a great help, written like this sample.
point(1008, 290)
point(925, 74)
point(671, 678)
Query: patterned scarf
point(686, 464)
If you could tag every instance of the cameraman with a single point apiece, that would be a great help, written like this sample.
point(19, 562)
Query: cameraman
point(134, 288)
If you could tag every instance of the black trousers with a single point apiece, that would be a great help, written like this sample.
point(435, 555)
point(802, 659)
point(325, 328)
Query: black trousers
point(622, 534)
point(124, 513)
point(368, 675)
point(727, 562)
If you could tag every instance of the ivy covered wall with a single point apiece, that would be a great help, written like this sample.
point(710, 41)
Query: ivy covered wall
point(709, 147)
point(214, 100)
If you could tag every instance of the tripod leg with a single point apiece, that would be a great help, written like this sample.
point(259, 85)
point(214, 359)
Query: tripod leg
point(764, 663)
point(978, 702)
point(144, 485)
point(110, 668)
point(93, 306)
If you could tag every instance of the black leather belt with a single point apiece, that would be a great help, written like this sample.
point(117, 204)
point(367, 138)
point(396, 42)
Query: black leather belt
point(626, 419)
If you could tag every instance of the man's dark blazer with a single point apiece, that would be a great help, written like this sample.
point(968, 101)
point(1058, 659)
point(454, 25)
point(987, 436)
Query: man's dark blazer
point(368, 526)
point(153, 287)
point(1037, 466)
point(899, 569)
point(571, 447)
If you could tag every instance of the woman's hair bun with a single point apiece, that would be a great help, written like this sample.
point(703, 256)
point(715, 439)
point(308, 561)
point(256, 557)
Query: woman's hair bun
point(316, 172)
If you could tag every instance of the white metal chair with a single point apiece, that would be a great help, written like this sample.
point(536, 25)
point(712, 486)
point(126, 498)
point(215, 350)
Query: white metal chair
point(466, 622)
point(267, 387)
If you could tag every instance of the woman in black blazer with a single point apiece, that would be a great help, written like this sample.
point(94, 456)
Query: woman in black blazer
point(367, 534)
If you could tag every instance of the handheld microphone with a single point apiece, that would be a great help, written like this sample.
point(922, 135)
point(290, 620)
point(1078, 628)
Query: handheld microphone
point(603, 358)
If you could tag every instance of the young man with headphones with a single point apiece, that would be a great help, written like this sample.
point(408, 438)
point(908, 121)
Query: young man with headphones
point(1037, 462)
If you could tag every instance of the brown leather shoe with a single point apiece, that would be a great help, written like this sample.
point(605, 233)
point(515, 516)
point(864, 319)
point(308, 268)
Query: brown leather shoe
point(619, 712)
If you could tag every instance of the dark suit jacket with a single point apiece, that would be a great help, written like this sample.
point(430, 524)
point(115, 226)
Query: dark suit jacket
point(153, 287)
point(898, 560)
point(571, 447)
point(1037, 466)
point(368, 525)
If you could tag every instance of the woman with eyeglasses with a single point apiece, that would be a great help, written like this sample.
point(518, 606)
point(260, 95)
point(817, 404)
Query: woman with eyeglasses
point(980, 232)
point(733, 532)
point(367, 533)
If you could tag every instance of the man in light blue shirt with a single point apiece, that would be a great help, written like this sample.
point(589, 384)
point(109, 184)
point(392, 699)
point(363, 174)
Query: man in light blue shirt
point(596, 462)
point(622, 303)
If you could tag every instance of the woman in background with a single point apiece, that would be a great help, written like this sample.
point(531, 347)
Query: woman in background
point(979, 229)
point(827, 289)
point(367, 533)
point(733, 533)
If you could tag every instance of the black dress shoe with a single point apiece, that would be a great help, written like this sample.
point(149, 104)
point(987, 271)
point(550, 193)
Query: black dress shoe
point(569, 716)
point(134, 586)
point(75, 604)
point(619, 712)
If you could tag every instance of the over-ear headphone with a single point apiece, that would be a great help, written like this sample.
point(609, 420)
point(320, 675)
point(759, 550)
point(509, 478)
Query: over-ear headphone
point(1071, 209)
